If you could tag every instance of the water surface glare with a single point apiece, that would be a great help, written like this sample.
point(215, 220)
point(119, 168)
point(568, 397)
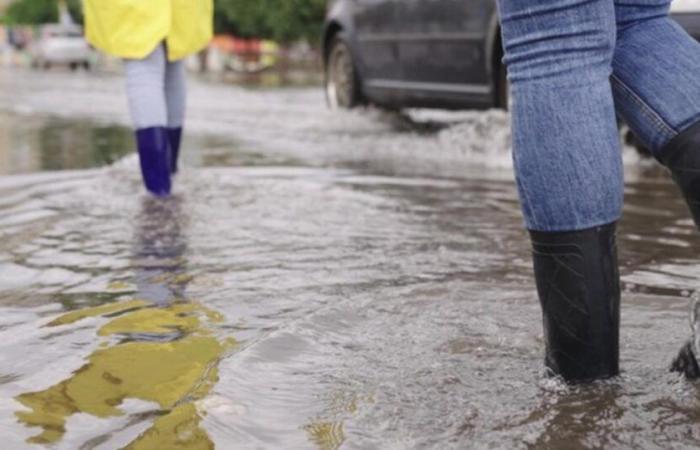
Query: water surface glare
point(286, 301)
point(293, 307)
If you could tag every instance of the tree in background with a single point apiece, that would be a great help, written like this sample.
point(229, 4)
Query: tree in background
point(281, 20)
point(36, 12)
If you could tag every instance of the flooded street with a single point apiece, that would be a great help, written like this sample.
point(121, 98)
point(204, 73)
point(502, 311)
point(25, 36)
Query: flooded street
point(319, 281)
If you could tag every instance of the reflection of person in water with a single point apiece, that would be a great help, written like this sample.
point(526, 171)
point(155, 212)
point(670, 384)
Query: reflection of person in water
point(167, 350)
point(153, 37)
point(159, 254)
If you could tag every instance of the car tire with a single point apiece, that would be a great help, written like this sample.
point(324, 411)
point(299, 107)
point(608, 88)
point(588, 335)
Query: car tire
point(343, 86)
point(503, 97)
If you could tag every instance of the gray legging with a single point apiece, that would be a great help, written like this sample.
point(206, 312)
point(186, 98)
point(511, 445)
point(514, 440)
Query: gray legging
point(156, 90)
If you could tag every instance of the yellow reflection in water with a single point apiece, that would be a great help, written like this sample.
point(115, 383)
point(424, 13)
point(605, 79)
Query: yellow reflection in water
point(326, 435)
point(110, 308)
point(329, 433)
point(167, 355)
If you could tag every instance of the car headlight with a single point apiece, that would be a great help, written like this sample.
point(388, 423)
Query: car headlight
point(685, 6)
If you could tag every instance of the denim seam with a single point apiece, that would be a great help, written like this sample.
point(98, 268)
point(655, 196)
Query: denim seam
point(692, 120)
point(661, 124)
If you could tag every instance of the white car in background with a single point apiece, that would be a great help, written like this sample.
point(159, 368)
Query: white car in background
point(61, 45)
point(684, 6)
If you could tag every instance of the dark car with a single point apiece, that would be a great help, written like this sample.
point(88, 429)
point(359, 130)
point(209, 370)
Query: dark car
point(425, 53)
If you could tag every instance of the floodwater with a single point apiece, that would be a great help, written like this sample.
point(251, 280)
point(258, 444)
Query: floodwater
point(318, 281)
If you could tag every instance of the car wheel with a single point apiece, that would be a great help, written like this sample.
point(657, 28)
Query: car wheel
point(86, 66)
point(503, 97)
point(342, 81)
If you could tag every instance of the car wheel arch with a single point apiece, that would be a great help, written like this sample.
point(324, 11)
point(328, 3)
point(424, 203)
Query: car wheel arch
point(332, 30)
point(499, 73)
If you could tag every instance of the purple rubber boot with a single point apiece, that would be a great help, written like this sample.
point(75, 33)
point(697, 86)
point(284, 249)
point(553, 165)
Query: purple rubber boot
point(154, 154)
point(175, 137)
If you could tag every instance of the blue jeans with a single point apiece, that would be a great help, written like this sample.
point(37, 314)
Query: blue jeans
point(573, 66)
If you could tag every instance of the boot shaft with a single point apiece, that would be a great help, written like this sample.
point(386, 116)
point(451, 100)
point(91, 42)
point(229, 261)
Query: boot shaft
point(154, 156)
point(682, 157)
point(577, 281)
point(174, 139)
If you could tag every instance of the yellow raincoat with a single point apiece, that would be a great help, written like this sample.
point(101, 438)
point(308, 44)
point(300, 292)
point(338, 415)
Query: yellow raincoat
point(133, 28)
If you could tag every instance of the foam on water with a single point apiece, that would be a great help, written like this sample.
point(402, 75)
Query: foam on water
point(296, 123)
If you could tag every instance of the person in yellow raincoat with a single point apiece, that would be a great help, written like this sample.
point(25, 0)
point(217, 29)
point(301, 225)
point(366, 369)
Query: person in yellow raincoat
point(153, 37)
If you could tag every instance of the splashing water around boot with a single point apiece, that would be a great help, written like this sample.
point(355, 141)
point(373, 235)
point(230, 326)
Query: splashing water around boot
point(686, 362)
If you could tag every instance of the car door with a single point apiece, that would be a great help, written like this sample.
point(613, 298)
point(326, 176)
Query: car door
point(442, 44)
point(375, 33)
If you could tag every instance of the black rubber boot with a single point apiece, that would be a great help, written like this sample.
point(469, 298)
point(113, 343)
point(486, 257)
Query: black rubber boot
point(686, 362)
point(579, 288)
point(682, 157)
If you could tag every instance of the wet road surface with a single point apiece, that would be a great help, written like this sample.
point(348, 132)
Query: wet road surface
point(319, 280)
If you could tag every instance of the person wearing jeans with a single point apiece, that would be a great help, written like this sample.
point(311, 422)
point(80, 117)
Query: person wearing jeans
point(574, 67)
point(153, 37)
